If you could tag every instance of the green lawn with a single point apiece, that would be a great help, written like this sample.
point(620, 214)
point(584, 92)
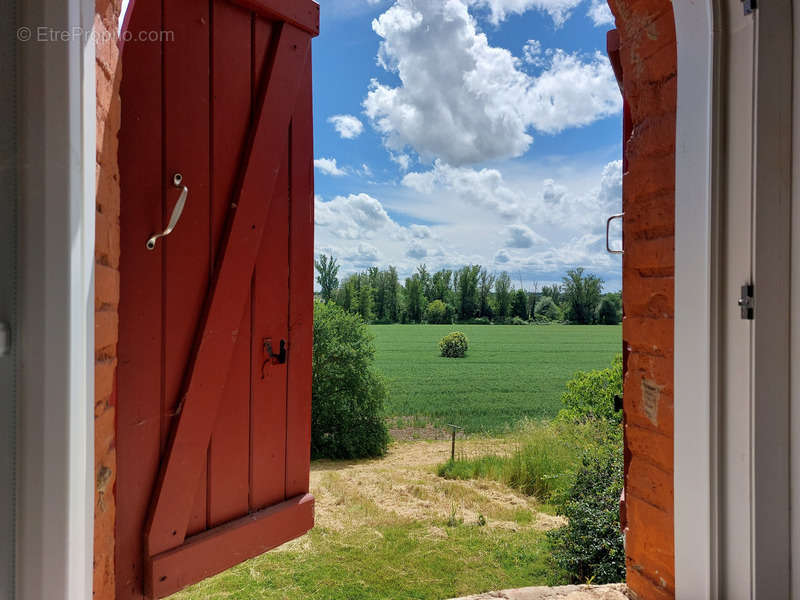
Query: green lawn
point(401, 562)
point(510, 371)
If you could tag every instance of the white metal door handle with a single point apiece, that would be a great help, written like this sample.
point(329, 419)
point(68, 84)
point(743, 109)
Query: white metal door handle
point(608, 229)
point(177, 181)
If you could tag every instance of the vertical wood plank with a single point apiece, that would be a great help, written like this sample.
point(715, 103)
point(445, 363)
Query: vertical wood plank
point(209, 365)
point(228, 477)
point(301, 289)
point(140, 351)
point(187, 265)
point(270, 320)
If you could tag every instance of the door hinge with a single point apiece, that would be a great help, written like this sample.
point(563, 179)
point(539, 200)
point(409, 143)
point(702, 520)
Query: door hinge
point(747, 302)
point(749, 6)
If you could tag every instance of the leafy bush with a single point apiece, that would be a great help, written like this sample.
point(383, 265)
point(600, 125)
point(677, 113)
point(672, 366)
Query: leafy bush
point(454, 345)
point(437, 312)
point(547, 308)
point(518, 321)
point(590, 546)
point(590, 394)
point(607, 313)
point(347, 392)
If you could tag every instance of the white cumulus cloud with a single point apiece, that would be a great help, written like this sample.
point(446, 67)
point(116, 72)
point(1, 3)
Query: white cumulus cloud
point(466, 101)
point(600, 13)
point(509, 213)
point(421, 232)
point(416, 250)
point(532, 53)
point(347, 126)
point(364, 255)
point(559, 10)
point(480, 188)
point(328, 166)
point(357, 216)
point(522, 236)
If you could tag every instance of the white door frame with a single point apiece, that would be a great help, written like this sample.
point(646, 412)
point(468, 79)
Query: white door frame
point(699, 529)
point(55, 452)
point(695, 420)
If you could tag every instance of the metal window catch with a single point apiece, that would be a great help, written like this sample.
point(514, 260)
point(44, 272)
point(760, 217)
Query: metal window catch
point(272, 357)
point(177, 181)
point(608, 234)
point(747, 302)
point(5, 339)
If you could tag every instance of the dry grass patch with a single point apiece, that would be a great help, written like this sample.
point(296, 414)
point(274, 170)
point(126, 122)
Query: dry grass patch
point(402, 487)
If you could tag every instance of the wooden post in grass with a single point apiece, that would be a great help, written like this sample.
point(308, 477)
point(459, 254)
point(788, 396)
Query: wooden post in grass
point(453, 444)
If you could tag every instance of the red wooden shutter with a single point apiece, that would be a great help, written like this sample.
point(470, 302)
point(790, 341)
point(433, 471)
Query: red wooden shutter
point(213, 423)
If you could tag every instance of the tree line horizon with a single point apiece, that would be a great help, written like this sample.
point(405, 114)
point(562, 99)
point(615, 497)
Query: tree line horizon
point(470, 294)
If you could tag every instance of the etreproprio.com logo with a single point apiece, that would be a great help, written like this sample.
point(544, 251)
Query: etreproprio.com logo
point(51, 34)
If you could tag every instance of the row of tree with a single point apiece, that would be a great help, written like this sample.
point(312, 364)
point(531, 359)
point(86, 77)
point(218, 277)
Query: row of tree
point(465, 294)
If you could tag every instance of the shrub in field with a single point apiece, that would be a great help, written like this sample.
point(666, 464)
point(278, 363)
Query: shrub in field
point(437, 312)
point(518, 321)
point(590, 394)
point(454, 345)
point(589, 547)
point(547, 308)
point(347, 392)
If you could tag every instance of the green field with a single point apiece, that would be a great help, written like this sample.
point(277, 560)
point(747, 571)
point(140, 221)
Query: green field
point(510, 371)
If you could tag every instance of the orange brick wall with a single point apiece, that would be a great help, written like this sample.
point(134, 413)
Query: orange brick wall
point(649, 61)
point(107, 74)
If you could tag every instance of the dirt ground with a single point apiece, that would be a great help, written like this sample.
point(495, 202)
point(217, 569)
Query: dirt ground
point(404, 484)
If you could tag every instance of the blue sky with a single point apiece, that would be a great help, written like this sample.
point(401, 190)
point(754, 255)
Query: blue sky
point(450, 132)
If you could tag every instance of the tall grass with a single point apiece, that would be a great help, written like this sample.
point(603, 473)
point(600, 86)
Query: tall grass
point(545, 459)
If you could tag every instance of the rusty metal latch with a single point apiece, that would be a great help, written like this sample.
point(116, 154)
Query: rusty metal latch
point(608, 234)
